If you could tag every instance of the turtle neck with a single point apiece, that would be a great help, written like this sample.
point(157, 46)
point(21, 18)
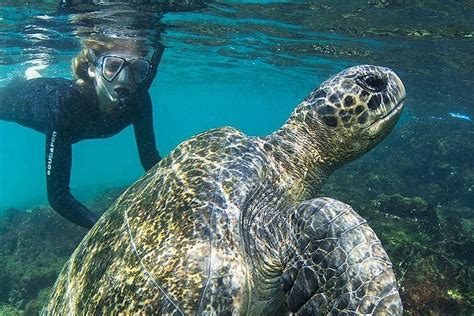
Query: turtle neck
point(303, 150)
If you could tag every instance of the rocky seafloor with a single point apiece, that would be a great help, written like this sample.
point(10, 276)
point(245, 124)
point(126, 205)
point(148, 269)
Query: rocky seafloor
point(416, 190)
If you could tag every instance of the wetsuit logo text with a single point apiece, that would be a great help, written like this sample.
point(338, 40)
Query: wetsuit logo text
point(51, 152)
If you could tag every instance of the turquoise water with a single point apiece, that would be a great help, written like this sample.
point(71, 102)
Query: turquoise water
point(245, 64)
point(179, 111)
point(185, 103)
point(197, 88)
point(242, 64)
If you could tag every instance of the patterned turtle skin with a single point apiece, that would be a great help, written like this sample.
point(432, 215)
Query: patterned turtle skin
point(230, 224)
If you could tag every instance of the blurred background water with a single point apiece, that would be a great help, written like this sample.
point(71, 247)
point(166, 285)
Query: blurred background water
point(241, 63)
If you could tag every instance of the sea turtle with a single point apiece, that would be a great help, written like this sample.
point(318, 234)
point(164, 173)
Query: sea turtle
point(230, 224)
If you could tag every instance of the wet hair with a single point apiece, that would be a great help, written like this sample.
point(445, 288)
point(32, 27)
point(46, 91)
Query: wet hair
point(93, 48)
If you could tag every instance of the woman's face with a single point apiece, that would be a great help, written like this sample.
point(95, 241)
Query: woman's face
point(118, 75)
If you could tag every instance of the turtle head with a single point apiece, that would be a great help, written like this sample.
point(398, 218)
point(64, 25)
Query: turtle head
point(355, 109)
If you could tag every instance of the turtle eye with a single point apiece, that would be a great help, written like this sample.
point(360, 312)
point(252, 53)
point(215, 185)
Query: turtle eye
point(372, 82)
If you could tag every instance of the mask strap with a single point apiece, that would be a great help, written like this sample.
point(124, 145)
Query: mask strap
point(155, 61)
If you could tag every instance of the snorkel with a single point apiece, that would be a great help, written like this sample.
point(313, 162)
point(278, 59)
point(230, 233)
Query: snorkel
point(154, 61)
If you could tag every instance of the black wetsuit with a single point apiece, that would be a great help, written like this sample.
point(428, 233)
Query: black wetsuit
point(67, 114)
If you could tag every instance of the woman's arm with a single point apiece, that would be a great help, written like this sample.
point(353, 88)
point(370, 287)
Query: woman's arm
point(145, 135)
point(58, 174)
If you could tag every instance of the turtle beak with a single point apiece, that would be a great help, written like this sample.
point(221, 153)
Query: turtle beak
point(386, 123)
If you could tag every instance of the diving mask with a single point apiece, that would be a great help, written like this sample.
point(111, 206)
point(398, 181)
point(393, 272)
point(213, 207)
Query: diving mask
point(111, 66)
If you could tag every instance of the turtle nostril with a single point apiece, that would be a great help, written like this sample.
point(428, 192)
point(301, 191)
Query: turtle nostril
point(373, 82)
point(122, 92)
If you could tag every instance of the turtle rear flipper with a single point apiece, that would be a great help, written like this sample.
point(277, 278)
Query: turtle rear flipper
point(337, 263)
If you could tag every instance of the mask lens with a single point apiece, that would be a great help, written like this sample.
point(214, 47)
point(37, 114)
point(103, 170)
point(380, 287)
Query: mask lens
point(111, 67)
point(140, 70)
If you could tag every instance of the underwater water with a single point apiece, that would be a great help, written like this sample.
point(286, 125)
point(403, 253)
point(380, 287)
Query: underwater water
point(247, 64)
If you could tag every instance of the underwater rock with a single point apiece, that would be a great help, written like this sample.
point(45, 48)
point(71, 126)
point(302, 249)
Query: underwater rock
point(34, 245)
point(457, 227)
point(419, 159)
point(427, 269)
point(9, 310)
point(428, 298)
point(33, 248)
point(415, 208)
point(35, 306)
point(105, 199)
point(5, 281)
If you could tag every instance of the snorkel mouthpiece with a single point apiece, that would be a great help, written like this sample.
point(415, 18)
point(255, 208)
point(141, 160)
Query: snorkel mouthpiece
point(122, 92)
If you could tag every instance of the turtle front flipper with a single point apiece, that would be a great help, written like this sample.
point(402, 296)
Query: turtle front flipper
point(337, 263)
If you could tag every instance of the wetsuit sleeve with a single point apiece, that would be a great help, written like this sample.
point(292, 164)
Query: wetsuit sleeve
point(145, 135)
point(58, 173)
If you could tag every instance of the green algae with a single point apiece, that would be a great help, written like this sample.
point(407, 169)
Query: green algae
point(34, 245)
point(417, 200)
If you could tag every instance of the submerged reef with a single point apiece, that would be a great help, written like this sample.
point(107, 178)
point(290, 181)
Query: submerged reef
point(415, 190)
point(34, 245)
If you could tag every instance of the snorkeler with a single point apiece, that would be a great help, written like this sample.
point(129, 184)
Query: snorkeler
point(109, 93)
